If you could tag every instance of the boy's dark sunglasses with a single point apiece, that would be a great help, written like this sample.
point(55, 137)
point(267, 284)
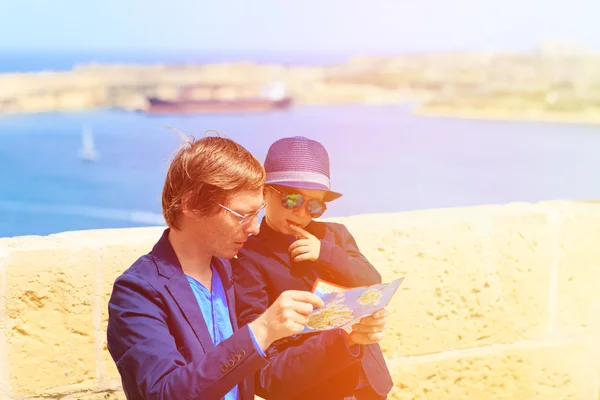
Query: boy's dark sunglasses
point(315, 207)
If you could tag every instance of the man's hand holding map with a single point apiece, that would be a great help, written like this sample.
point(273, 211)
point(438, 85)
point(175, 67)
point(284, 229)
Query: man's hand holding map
point(345, 307)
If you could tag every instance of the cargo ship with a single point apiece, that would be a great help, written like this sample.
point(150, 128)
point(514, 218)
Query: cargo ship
point(212, 99)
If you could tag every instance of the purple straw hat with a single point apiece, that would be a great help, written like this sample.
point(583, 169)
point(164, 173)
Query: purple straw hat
point(299, 162)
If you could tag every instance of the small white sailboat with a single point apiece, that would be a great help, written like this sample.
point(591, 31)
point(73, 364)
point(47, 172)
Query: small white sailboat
point(88, 151)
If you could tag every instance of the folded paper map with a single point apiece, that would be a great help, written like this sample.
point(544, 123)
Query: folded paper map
point(345, 307)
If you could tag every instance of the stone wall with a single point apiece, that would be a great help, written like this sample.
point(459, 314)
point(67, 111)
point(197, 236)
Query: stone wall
point(499, 302)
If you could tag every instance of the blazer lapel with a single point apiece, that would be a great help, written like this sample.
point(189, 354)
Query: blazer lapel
point(180, 289)
point(178, 286)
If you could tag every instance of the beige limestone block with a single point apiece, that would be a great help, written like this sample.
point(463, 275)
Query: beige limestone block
point(116, 250)
point(523, 252)
point(49, 290)
point(466, 273)
point(525, 371)
point(5, 389)
point(578, 280)
point(86, 395)
point(108, 395)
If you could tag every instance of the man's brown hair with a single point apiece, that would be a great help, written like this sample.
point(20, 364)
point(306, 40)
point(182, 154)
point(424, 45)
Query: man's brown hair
point(204, 172)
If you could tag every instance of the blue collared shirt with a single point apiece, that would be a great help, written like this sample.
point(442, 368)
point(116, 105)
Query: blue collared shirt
point(216, 315)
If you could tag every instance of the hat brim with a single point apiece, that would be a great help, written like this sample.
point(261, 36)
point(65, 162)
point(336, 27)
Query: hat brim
point(329, 195)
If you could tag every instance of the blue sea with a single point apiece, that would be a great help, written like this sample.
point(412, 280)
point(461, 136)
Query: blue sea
point(383, 158)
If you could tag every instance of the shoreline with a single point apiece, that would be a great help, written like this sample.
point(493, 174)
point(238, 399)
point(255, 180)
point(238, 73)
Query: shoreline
point(499, 85)
point(462, 114)
point(506, 116)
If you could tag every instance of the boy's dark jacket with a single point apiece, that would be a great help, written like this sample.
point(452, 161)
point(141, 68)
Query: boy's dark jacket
point(263, 270)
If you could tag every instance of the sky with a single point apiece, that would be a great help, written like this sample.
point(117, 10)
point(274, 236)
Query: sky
point(295, 26)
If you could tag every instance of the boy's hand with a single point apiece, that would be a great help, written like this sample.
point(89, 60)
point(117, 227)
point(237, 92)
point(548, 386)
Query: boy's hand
point(370, 329)
point(306, 248)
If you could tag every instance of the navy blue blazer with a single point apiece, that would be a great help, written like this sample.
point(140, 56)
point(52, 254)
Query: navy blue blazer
point(159, 340)
point(263, 270)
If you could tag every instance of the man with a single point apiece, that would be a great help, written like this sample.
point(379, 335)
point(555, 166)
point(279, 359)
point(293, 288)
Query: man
point(172, 329)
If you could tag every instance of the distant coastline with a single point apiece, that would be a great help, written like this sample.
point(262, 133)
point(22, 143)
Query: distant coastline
point(547, 85)
point(504, 115)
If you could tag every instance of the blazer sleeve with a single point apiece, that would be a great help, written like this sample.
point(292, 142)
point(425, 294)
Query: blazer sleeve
point(146, 354)
point(344, 261)
point(295, 360)
point(314, 360)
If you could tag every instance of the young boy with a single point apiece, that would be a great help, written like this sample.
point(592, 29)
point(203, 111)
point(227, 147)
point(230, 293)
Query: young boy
point(290, 252)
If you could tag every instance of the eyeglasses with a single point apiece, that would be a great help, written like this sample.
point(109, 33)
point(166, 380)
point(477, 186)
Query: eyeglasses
point(244, 219)
point(315, 207)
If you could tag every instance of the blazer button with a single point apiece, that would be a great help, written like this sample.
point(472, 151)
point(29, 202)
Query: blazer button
point(230, 363)
point(224, 368)
point(242, 353)
point(237, 358)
